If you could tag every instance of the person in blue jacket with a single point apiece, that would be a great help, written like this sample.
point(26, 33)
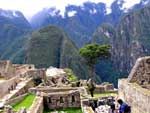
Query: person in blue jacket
point(124, 108)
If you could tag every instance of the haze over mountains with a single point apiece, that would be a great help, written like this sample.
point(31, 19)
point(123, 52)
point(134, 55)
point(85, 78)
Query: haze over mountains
point(126, 30)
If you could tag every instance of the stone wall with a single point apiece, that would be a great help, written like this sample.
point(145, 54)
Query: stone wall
point(58, 97)
point(47, 89)
point(15, 100)
point(8, 85)
point(64, 99)
point(24, 89)
point(37, 106)
point(141, 72)
point(35, 73)
point(21, 69)
point(87, 109)
point(103, 88)
point(6, 69)
point(136, 96)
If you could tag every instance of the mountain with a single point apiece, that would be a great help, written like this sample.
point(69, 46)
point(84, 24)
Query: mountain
point(50, 46)
point(129, 40)
point(13, 26)
point(81, 21)
point(133, 37)
point(126, 30)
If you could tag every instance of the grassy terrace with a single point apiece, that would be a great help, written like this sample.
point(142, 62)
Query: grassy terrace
point(66, 110)
point(104, 94)
point(26, 102)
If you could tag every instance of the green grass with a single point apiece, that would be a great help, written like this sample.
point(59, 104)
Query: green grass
point(26, 102)
point(104, 94)
point(66, 110)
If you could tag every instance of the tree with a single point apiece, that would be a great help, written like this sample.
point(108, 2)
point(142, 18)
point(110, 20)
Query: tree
point(92, 53)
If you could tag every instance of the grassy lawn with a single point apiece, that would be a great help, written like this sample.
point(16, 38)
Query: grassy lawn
point(105, 94)
point(66, 110)
point(26, 102)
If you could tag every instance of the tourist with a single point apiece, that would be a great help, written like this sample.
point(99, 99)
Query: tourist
point(124, 108)
point(112, 108)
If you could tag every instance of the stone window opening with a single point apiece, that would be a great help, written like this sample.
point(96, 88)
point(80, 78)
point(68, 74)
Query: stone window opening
point(61, 100)
point(73, 99)
point(30, 67)
point(49, 100)
point(142, 82)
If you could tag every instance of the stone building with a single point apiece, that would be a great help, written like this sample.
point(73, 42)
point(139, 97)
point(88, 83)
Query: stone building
point(59, 97)
point(135, 90)
point(64, 99)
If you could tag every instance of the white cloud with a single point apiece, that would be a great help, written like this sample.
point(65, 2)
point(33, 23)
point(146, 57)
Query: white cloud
point(72, 13)
point(30, 7)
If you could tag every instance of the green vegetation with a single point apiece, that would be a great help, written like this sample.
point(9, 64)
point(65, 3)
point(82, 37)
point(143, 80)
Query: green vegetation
point(105, 94)
point(26, 102)
point(50, 46)
point(92, 53)
point(71, 75)
point(66, 110)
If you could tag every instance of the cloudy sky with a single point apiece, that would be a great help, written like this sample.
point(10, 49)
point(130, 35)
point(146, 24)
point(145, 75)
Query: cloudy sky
point(30, 7)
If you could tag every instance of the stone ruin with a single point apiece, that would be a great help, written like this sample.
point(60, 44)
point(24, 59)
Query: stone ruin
point(135, 90)
point(56, 90)
point(140, 73)
point(7, 70)
point(58, 97)
point(56, 77)
point(17, 79)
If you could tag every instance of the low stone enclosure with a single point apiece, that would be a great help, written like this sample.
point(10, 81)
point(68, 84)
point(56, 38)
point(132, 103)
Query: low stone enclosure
point(135, 90)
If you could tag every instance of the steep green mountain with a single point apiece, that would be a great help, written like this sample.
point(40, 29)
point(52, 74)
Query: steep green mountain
point(81, 21)
point(50, 46)
point(78, 21)
point(13, 26)
point(16, 51)
point(129, 40)
point(133, 38)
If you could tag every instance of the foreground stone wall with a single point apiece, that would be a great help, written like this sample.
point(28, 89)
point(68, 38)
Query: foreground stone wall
point(141, 72)
point(136, 96)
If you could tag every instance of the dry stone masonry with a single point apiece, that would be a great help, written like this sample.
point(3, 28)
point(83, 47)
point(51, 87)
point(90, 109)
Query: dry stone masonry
point(136, 89)
point(54, 91)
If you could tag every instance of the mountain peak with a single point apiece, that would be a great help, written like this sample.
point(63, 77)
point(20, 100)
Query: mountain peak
point(10, 13)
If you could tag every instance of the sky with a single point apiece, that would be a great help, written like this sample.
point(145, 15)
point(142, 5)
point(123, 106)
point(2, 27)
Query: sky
point(31, 7)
